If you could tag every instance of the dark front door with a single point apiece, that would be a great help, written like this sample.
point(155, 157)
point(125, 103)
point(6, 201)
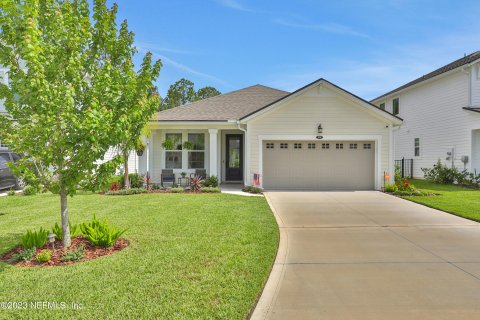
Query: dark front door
point(234, 159)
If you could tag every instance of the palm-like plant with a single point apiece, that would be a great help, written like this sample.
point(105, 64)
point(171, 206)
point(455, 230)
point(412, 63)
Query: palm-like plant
point(196, 183)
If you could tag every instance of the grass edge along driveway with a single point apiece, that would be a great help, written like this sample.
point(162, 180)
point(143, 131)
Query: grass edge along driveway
point(460, 201)
point(190, 256)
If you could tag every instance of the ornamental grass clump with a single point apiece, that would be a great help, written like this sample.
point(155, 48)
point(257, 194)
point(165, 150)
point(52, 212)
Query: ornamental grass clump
point(100, 233)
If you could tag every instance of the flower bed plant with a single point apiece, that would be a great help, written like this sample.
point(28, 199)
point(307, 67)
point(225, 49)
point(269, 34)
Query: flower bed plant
point(252, 189)
point(125, 192)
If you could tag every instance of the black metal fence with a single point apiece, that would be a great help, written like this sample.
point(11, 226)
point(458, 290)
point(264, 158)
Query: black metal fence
point(406, 167)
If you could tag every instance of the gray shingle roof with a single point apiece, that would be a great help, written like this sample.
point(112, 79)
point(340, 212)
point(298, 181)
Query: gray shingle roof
point(453, 65)
point(228, 106)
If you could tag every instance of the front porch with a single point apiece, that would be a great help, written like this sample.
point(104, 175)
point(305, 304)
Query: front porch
point(220, 150)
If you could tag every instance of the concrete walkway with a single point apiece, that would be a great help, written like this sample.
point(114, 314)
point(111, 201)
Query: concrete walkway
point(367, 255)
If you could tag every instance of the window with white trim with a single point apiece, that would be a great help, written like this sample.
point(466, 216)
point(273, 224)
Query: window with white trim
point(270, 145)
point(312, 146)
point(173, 157)
point(196, 156)
point(339, 146)
point(325, 145)
point(396, 106)
point(417, 147)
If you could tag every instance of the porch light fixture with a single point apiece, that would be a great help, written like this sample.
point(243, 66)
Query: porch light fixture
point(319, 128)
point(51, 240)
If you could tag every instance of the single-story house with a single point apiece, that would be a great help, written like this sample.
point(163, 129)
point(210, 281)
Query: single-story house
point(320, 137)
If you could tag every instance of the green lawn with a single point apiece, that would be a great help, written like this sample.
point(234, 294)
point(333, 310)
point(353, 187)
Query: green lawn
point(190, 256)
point(463, 202)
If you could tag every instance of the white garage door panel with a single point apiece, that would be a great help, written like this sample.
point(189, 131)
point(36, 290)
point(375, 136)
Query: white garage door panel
point(318, 169)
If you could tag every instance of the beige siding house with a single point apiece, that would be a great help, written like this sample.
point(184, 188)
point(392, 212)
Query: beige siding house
point(441, 113)
point(319, 137)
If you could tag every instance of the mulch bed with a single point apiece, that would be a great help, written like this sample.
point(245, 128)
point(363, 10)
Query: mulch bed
point(90, 252)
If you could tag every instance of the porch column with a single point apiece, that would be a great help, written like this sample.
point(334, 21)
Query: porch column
point(148, 156)
point(213, 152)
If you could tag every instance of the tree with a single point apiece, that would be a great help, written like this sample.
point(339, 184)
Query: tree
point(179, 93)
point(67, 76)
point(206, 92)
point(183, 92)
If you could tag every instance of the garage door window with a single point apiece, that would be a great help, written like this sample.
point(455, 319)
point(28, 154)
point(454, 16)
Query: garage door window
point(367, 146)
point(325, 145)
point(339, 146)
point(311, 146)
point(353, 146)
point(270, 146)
point(283, 145)
point(297, 146)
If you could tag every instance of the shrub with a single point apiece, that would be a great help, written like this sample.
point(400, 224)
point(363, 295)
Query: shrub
point(115, 186)
point(136, 180)
point(74, 255)
point(29, 190)
point(177, 190)
point(100, 233)
point(126, 192)
point(24, 255)
point(252, 189)
point(211, 181)
point(74, 231)
point(440, 173)
point(196, 183)
point(210, 190)
point(414, 192)
point(44, 256)
point(391, 187)
point(35, 239)
point(11, 192)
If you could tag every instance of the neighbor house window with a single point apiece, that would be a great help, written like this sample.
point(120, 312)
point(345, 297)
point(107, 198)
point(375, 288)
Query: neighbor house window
point(173, 157)
point(196, 156)
point(396, 106)
point(382, 106)
point(417, 147)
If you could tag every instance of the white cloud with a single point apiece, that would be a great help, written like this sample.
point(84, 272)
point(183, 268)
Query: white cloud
point(326, 27)
point(233, 4)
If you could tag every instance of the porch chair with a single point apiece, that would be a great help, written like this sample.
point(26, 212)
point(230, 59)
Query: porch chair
point(167, 176)
point(202, 173)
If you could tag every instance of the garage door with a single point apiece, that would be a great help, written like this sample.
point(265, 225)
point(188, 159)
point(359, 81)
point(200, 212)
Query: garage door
point(313, 165)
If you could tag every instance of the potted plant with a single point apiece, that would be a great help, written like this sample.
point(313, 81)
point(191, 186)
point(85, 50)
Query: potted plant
point(140, 147)
point(168, 144)
point(187, 145)
point(183, 174)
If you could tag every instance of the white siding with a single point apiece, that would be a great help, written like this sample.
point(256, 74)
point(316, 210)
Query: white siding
point(132, 159)
point(302, 115)
point(476, 85)
point(433, 112)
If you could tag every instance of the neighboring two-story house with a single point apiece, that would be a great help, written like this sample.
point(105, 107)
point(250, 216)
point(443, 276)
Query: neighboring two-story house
point(3, 79)
point(441, 116)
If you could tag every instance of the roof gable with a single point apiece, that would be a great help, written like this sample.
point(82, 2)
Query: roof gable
point(306, 90)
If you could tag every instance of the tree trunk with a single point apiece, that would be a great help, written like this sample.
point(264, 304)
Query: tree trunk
point(125, 169)
point(64, 212)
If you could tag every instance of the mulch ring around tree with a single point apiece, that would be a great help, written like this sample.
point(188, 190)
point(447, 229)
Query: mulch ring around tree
point(89, 253)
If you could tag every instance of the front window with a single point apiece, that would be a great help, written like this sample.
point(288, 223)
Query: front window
point(173, 159)
point(176, 139)
point(196, 156)
point(417, 147)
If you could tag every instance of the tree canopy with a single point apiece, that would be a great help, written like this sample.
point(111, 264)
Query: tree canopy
point(183, 92)
point(69, 73)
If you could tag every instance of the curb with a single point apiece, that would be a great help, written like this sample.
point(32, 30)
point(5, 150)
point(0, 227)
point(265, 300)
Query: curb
point(264, 305)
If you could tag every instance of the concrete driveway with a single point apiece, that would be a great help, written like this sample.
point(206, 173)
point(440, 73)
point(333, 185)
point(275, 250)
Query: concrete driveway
point(367, 255)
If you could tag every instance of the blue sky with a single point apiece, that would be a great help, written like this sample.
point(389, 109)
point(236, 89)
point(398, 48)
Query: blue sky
point(367, 47)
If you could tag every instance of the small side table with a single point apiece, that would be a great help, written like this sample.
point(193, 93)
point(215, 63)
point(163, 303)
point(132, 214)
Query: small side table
point(186, 181)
